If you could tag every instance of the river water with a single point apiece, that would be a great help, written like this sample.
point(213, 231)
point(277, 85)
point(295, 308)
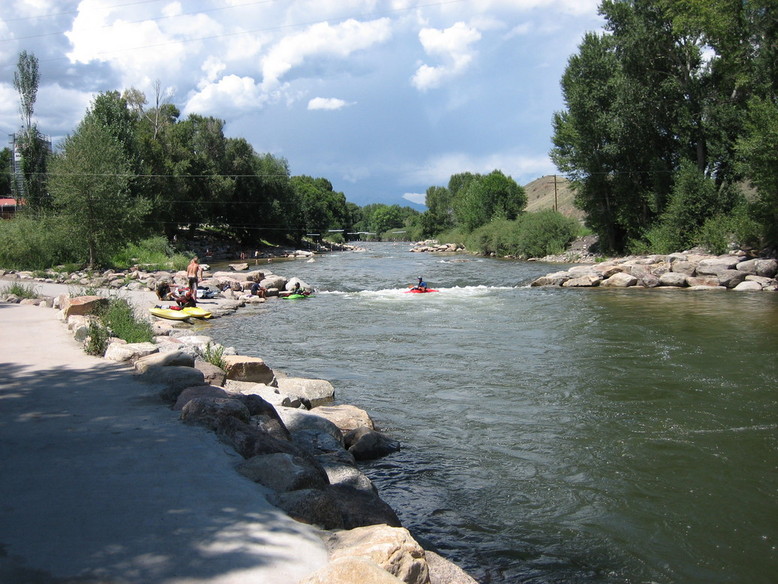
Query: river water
point(549, 435)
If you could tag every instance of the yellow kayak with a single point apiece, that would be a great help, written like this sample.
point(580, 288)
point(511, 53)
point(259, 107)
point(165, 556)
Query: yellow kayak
point(197, 312)
point(169, 313)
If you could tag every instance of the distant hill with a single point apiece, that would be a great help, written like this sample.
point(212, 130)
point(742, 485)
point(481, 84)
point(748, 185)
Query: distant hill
point(540, 195)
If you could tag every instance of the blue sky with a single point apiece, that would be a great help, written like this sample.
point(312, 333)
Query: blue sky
point(385, 98)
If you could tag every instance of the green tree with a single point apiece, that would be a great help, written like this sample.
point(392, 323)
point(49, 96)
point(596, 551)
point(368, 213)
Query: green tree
point(757, 149)
point(439, 215)
point(33, 146)
point(6, 187)
point(90, 188)
point(484, 198)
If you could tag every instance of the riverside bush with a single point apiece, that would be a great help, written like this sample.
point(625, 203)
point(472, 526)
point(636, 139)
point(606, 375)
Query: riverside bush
point(119, 317)
point(29, 242)
point(154, 253)
point(531, 235)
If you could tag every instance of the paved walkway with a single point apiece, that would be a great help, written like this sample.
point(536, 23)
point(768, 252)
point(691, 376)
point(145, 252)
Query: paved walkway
point(100, 482)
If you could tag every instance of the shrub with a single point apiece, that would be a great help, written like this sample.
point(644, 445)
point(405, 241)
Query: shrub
point(155, 253)
point(97, 339)
point(119, 317)
point(29, 242)
point(531, 235)
point(214, 355)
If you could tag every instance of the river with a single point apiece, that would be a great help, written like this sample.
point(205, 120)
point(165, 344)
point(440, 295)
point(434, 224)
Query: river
point(549, 435)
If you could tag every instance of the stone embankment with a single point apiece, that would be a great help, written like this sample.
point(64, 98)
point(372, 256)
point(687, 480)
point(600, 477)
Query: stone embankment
point(294, 442)
point(678, 270)
point(432, 246)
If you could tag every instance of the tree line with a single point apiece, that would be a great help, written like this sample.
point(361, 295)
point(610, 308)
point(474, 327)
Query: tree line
point(131, 170)
point(670, 124)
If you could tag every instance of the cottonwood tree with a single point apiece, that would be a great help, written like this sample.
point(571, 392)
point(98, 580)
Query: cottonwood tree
point(89, 184)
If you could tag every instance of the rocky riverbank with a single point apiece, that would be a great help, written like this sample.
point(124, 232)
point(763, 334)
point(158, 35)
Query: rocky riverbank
point(293, 440)
point(691, 271)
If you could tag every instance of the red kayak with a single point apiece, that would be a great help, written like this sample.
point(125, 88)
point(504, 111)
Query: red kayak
point(417, 291)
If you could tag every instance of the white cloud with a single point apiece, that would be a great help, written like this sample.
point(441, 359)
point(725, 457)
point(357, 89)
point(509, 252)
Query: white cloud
point(327, 103)
point(453, 46)
point(229, 94)
point(438, 169)
point(321, 39)
point(418, 198)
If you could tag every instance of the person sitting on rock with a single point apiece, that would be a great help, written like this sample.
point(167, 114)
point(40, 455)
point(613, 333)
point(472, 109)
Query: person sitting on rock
point(256, 288)
point(185, 298)
point(163, 291)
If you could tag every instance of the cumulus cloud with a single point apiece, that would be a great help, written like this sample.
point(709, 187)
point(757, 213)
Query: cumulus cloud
point(437, 170)
point(418, 198)
point(229, 94)
point(327, 103)
point(321, 39)
point(453, 46)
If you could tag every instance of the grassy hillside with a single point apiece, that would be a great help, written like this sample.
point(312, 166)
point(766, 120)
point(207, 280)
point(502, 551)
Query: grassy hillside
point(540, 195)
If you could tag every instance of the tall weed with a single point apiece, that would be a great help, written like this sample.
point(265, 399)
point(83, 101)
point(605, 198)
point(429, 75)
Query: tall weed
point(119, 318)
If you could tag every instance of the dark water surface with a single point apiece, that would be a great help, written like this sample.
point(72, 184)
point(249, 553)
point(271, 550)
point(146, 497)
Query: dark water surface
point(549, 435)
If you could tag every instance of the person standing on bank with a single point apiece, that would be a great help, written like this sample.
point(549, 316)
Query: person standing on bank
point(194, 272)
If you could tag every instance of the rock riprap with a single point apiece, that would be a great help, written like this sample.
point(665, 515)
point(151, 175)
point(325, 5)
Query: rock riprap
point(678, 270)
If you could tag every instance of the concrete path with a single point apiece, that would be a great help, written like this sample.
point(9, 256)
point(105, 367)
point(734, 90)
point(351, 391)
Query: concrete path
point(100, 482)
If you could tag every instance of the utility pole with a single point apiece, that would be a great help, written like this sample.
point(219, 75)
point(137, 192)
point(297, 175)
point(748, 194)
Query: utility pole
point(556, 205)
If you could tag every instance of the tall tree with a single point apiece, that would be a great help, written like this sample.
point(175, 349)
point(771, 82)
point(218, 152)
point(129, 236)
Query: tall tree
point(32, 145)
point(484, 198)
point(90, 187)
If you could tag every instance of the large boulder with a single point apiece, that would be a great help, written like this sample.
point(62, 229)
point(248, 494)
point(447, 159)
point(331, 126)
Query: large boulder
point(312, 506)
point(673, 279)
point(249, 440)
point(316, 391)
point(348, 570)
point(748, 286)
point(555, 279)
point(713, 266)
point(169, 359)
point(267, 392)
point(585, 281)
point(342, 471)
point(359, 507)
point(212, 374)
point(346, 417)
point(173, 379)
point(190, 393)
point(83, 305)
point(759, 267)
point(283, 472)
point(620, 280)
point(273, 281)
point(367, 444)
point(242, 368)
point(683, 267)
point(703, 281)
point(392, 548)
point(211, 411)
point(297, 420)
point(129, 351)
point(442, 571)
point(731, 278)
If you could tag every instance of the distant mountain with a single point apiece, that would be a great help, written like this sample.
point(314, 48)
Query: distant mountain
point(540, 195)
